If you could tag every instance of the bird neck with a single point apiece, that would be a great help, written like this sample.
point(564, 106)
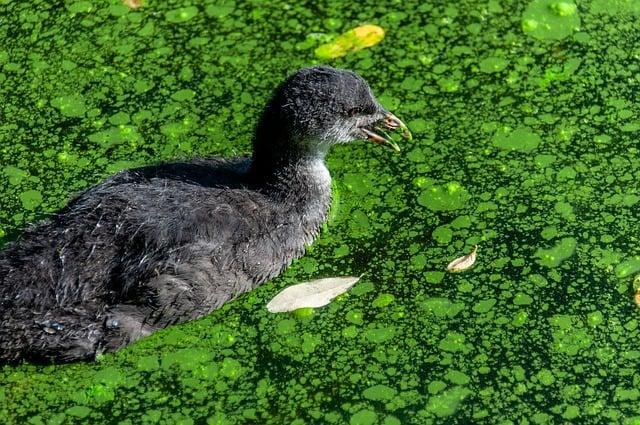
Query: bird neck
point(288, 165)
point(302, 186)
point(270, 164)
point(306, 175)
point(279, 143)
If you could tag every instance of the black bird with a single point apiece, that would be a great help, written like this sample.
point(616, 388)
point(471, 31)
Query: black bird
point(164, 244)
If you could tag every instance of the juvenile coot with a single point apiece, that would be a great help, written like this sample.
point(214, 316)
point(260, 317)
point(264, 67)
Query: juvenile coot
point(164, 244)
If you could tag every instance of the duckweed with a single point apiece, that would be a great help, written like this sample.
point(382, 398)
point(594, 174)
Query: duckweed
point(550, 19)
point(449, 196)
point(525, 123)
point(554, 256)
point(521, 139)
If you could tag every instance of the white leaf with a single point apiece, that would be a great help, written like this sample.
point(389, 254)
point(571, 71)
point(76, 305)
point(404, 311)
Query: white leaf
point(464, 262)
point(315, 293)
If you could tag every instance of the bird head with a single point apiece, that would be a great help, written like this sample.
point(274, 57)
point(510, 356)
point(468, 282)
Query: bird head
point(321, 106)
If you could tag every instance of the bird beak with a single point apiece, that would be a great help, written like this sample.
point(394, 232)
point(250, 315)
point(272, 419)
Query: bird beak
point(389, 123)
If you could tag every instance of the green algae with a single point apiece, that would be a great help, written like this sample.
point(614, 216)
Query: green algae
point(434, 276)
point(484, 306)
point(183, 95)
point(522, 299)
point(379, 392)
point(628, 267)
point(521, 139)
point(383, 300)
point(80, 7)
point(364, 417)
point(457, 377)
point(569, 336)
point(442, 307)
point(615, 7)
point(550, 19)
point(30, 199)
point(220, 10)
point(181, 14)
point(78, 411)
point(443, 197)
point(453, 342)
point(442, 234)
point(534, 335)
point(379, 334)
point(447, 403)
point(555, 255)
point(70, 106)
point(493, 64)
point(15, 174)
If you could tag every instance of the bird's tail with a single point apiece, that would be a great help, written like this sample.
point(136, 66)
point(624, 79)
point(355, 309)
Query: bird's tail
point(54, 336)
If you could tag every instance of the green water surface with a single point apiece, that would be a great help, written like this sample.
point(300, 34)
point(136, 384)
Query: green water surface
point(526, 122)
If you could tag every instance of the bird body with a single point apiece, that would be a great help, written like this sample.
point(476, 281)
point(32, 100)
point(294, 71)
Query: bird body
point(103, 272)
point(165, 244)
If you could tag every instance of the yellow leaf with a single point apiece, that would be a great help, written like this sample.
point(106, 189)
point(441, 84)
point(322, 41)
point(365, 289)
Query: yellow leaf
point(351, 41)
point(133, 4)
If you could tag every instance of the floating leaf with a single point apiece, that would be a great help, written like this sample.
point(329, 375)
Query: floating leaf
point(315, 293)
point(636, 287)
point(133, 4)
point(464, 262)
point(351, 41)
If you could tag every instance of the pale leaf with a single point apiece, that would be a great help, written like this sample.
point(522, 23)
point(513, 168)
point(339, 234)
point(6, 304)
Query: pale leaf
point(315, 293)
point(464, 262)
point(133, 4)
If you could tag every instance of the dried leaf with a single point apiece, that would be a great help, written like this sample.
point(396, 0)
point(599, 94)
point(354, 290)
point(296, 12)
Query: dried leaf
point(464, 262)
point(636, 298)
point(315, 293)
point(351, 41)
point(133, 4)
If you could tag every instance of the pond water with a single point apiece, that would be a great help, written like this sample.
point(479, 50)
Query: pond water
point(526, 120)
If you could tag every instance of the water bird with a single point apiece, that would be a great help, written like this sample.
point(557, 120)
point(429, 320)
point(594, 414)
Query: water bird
point(163, 244)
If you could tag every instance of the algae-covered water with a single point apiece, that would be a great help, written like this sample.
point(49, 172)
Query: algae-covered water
point(526, 123)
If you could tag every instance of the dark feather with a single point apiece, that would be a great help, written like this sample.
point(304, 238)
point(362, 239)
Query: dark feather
point(164, 244)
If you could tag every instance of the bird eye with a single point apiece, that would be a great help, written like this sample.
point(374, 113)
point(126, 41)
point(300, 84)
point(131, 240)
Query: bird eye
point(354, 111)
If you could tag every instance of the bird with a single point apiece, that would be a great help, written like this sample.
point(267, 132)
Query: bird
point(163, 244)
